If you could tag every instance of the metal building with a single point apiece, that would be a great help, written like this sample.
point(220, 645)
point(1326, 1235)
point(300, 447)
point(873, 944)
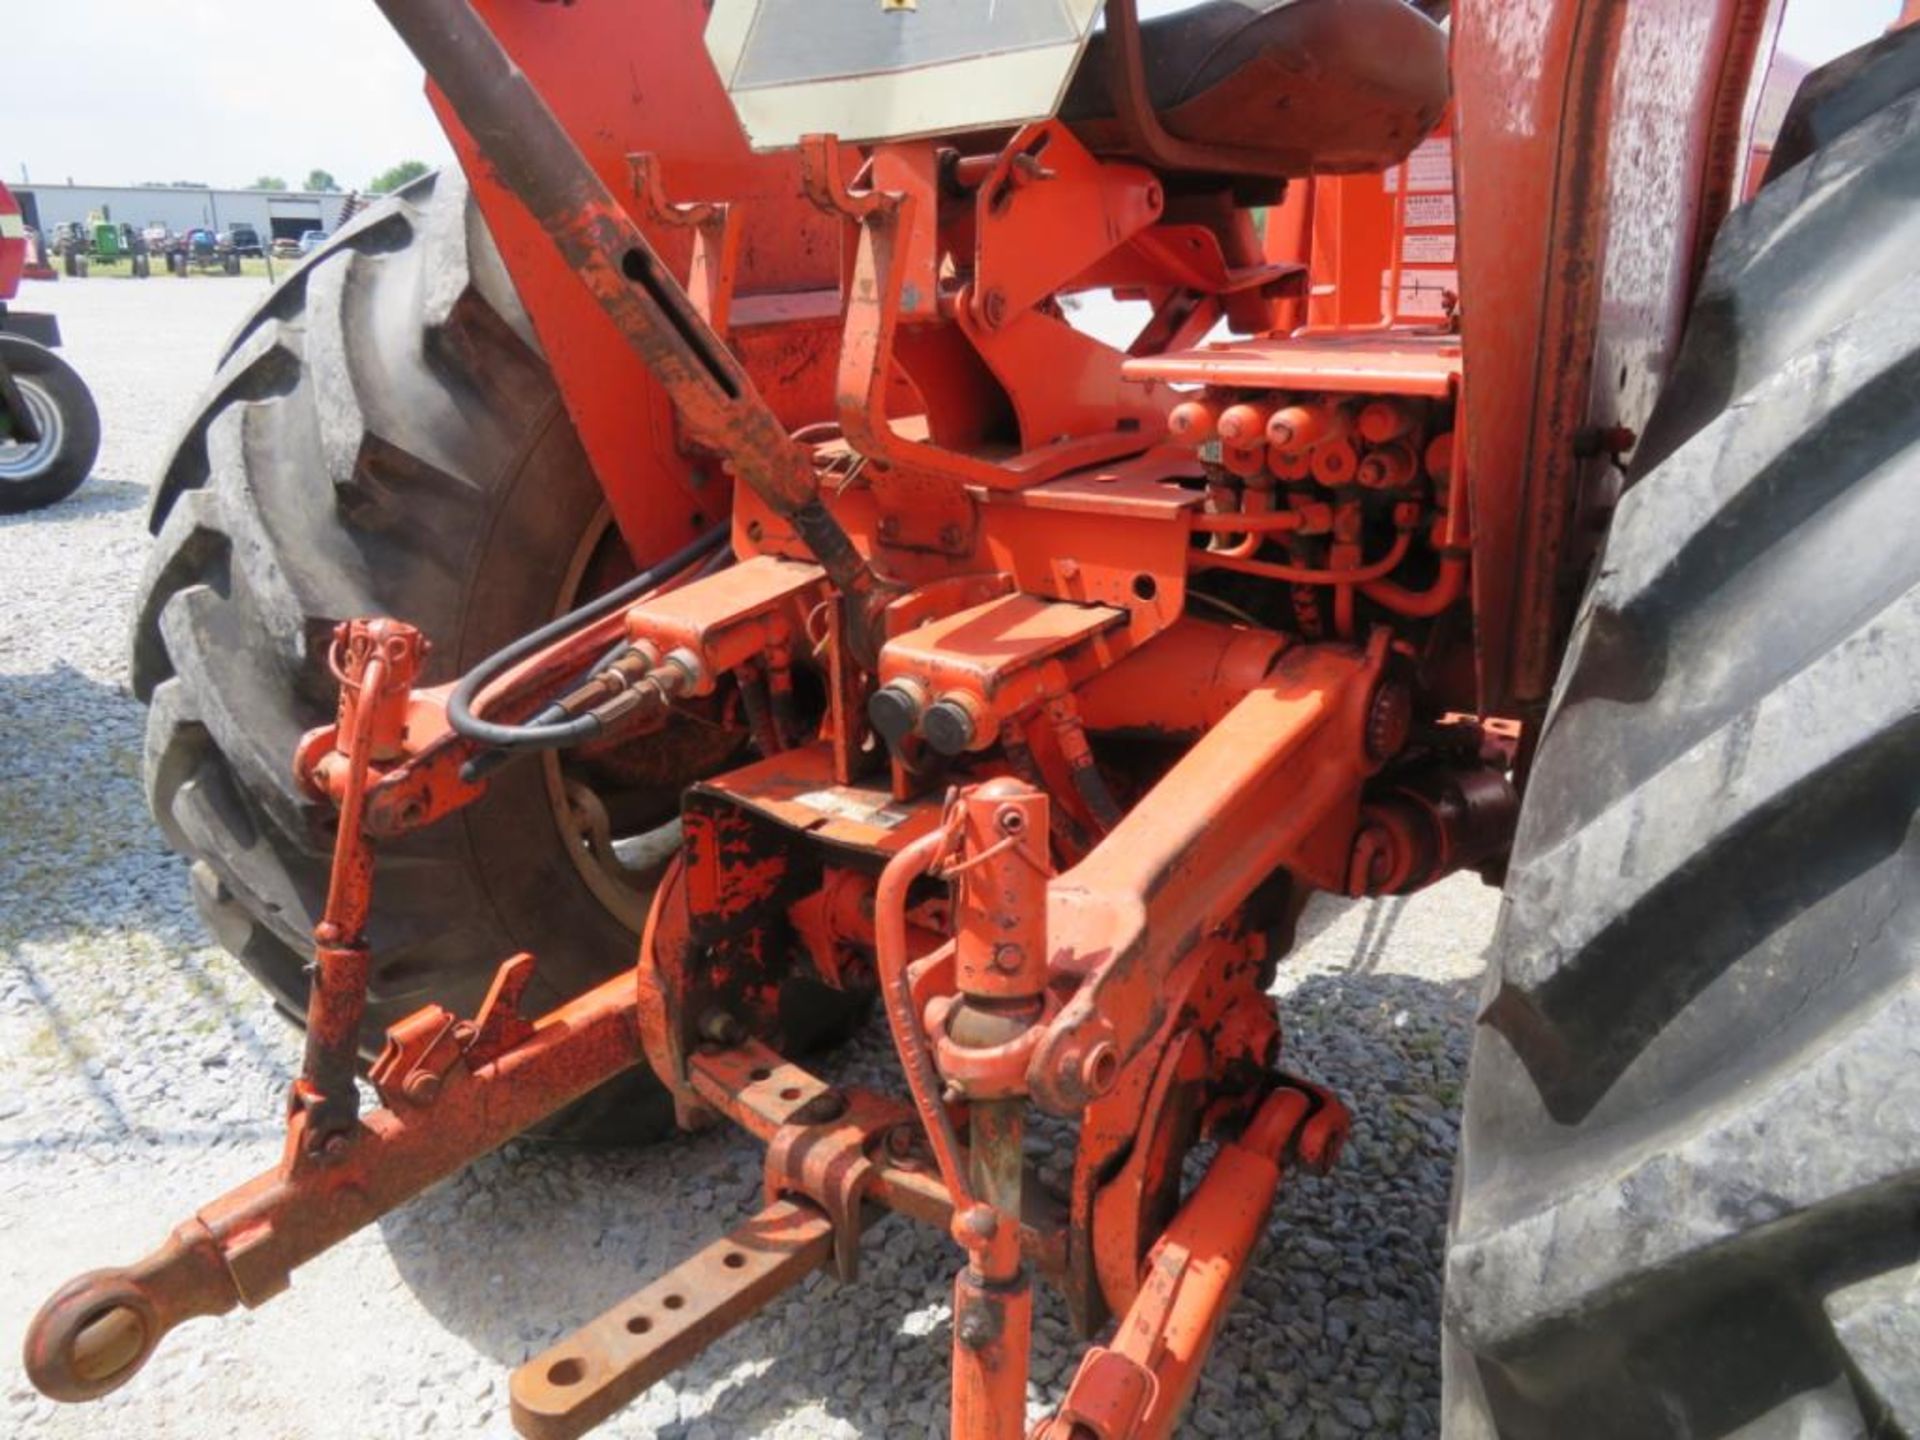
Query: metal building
point(275, 214)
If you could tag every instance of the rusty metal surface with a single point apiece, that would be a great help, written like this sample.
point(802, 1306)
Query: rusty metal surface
point(1133, 1207)
point(1274, 784)
point(980, 669)
point(799, 789)
point(1194, 674)
point(827, 1154)
point(1215, 1045)
point(376, 663)
point(586, 62)
point(714, 268)
point(1136, 1387)
point(1589, 179)
point(974, 532)
point(1058, 541)
point(713, 396)
point(566, 1390)
point(1087, 217)
point(1026, 253)
point(992, 1338)
point(243, 1247)
point(749, 611)
point(754, 1086)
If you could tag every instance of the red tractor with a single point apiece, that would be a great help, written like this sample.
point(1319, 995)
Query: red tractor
point(642, 595)
point(49, 425)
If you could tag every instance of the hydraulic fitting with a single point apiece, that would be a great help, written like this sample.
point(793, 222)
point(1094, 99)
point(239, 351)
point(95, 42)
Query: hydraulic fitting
point(894, 710)
point(1384, 420)
point(1244, 425)
point(1193, 422)
point(1388, 467)
point(1301, 427)
point(952, 723)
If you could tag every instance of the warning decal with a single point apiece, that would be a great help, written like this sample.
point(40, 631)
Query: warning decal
point(1428, 169)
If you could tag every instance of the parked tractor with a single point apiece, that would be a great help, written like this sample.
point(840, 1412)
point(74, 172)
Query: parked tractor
point(49, 425)
point(1506, 500)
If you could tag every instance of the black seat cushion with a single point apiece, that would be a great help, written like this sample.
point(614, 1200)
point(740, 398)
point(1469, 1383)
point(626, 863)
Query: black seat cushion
point(1311, 85)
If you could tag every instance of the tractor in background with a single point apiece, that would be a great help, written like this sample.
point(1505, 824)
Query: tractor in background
point(49, 425)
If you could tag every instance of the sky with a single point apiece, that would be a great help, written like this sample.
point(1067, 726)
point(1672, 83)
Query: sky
point(215, 91)
point(118, 92)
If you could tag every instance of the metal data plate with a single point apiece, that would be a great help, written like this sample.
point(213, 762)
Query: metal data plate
point(886, 70)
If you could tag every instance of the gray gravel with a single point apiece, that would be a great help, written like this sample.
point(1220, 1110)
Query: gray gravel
point(142, 1074)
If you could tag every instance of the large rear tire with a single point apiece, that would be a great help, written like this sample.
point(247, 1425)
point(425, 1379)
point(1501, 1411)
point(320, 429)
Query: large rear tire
point(1688, 1201)
point(383, 437)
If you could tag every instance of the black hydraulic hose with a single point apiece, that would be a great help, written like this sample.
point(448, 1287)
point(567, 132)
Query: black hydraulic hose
point(488, 761)
point(555, 713)
point(557, 735)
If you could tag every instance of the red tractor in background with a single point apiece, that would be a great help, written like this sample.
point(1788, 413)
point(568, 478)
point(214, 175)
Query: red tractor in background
point(642, 596)
point(49, 425)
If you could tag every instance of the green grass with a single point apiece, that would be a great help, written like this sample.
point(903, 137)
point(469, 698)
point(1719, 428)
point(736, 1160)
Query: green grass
point(123, 270)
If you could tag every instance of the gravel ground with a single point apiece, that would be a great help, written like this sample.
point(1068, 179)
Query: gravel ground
point(142, 1074)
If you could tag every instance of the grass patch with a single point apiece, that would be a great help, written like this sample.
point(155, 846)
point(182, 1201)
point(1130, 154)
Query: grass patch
point(249, 269)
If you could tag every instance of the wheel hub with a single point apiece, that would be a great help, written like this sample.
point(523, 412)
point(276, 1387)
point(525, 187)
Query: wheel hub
point(23, 460)
point(620, 821)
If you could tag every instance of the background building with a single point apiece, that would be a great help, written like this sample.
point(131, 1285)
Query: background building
point(276, 214)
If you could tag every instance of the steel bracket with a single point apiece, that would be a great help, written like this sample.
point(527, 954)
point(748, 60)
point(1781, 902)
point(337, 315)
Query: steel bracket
point(716, 241)
point(825, 1161)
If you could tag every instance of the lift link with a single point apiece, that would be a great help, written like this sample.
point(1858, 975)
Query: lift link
point(983, 1041)
point(993, 845)
point(1136, 1387)
point(453, 1089)
point(376, 662)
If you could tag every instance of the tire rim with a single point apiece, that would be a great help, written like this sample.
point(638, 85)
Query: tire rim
point(20, 461)
point(622, 871)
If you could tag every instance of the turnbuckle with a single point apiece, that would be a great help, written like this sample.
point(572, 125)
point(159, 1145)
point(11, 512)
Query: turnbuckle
point(452, 1089)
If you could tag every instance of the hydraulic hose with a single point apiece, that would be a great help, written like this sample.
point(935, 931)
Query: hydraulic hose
point(1304, 575)
point(555, 735)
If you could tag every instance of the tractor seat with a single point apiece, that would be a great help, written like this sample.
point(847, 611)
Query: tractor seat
point(1316, 85)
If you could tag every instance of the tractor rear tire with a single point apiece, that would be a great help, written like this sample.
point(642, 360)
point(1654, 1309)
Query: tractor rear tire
point(382, 437)
point(47, 471)
point(1688, 1194)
